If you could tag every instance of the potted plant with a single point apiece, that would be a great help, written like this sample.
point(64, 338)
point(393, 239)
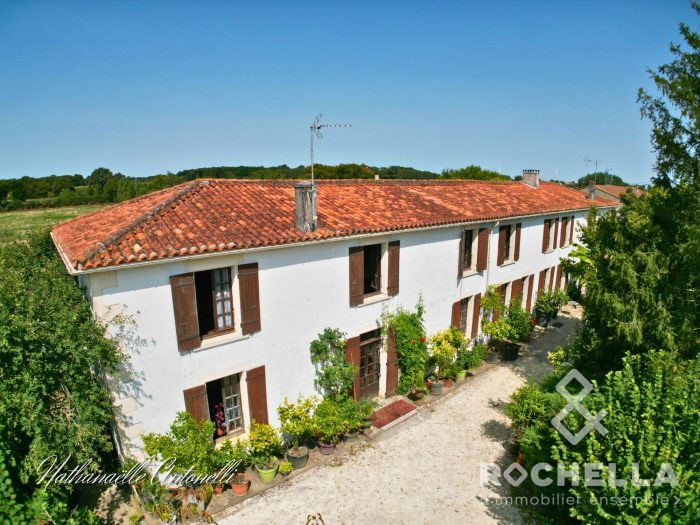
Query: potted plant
point(240, 484)
point(220, 419)
point(329, 425)
point(266, 467)
point(219, 488)
point(165, 512)
point(297, 421)
point(286, 468)
point(443, 347)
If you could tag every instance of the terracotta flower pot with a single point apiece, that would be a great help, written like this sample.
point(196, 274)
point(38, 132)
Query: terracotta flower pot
point(218, 489)
point(326, 448)
point(241, 489)
point(448, 383)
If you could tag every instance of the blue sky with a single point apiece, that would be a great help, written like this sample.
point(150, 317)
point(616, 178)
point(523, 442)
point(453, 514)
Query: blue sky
point(147, 87)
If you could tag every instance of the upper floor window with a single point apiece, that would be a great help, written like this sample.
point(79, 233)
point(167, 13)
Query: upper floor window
point(508, 243)
point(203, 303)
point(374, 270)
point(473, 251)
point(549, 234)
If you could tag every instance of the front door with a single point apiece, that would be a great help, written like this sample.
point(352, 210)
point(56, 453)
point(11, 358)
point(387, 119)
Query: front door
point(370, 344)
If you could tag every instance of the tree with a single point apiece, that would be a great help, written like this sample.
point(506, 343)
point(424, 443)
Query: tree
point(53, 355)
point(600, 177)
point(99, 177)
point(473, 173)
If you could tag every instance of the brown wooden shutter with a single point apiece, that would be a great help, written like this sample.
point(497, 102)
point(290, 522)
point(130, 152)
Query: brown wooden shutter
point(393, 277)
point(456, 314)
point(357, 274)
point(540, 281)
point(564, 224)
point(460, 261)
point(196, 402)
point(501, 245)
point(482, 252)
point(517, 241)
point(185, 309)
point(551, 278)
point(558, 276)
point(556, 232)
point(352, 355)
point(516, 290)
point(545, 235)
point(257, 394)
point(571, 229)
point(476, 314)
point(250, 298)
point(530, 285)
point(392, 364)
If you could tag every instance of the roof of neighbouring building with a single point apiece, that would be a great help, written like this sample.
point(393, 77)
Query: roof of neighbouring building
point(616, 191)
point(215, 215)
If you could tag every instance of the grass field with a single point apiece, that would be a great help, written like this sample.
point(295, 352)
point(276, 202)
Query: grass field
point(18, 225)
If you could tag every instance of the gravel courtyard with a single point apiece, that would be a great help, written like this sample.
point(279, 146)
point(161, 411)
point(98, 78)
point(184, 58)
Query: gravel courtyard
point(423, 470)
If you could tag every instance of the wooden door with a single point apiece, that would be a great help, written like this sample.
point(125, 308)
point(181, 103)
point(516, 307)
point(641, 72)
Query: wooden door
point(370, 344)
point(392, 365)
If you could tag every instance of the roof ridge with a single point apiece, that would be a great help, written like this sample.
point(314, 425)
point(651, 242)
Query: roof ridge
point(124, 230)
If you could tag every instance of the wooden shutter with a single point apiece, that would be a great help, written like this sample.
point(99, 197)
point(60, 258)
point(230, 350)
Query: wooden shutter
point(392, 364)
point(571, 229)
point(476, 314)
point(558, 283)
point(482, 254)
point(460, 256)
point(516, 290)
point(185, 310)
point(551, 278)
point(250, 298)
point(357, 274)
point(501, 245)
point(530, 285)
point(556, 232)
point(196, 402)
point(564, 224)
point(352, 355)
point(257, 394)
point(516, 255)
point(545, 235)
point(393, 277)
point(540, 281)
point(456, 314)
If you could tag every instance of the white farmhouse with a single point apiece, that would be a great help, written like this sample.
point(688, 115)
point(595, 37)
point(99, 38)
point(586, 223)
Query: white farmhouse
point(226, 282)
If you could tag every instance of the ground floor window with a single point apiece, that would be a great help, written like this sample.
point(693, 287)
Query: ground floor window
point(225, 411)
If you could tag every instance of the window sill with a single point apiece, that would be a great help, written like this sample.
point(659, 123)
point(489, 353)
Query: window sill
point(469, 273)
point(508, 263)
point(218, 340)
point(374, 298)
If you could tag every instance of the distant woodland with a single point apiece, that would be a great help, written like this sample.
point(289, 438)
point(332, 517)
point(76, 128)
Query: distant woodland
point(104, 186)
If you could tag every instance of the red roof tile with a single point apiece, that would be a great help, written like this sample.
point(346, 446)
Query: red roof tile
point(616, 191)
point(215, 215)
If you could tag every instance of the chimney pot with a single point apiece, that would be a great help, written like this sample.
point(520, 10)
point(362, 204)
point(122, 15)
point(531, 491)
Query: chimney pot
point(305, 210)
point(532, 178)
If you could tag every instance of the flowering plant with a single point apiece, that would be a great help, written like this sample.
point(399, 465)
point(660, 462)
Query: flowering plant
point(219, 416)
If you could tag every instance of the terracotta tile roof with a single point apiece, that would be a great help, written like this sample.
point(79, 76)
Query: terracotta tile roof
point(215, 215)
point(616, 191)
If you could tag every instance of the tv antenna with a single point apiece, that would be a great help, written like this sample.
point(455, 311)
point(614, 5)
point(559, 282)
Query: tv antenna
point(315, 130)
point(594, 162)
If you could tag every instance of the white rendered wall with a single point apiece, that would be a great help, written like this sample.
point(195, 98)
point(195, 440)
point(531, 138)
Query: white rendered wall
point(303, 289)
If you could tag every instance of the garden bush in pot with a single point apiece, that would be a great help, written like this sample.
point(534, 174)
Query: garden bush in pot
point(329, 425)
point(297, 422)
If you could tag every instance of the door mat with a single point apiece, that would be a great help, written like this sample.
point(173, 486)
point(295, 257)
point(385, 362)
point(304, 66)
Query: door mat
point(393, 413)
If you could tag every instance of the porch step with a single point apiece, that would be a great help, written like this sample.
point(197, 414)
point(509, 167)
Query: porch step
point(391, 414)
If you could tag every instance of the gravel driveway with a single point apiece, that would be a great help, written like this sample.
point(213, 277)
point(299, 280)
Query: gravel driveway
point(423, 470)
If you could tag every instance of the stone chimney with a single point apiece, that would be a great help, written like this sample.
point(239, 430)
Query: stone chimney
point(532, 178)
point(305, 193)
point(591, 190)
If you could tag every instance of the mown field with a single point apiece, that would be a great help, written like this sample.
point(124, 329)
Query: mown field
point(18, 225)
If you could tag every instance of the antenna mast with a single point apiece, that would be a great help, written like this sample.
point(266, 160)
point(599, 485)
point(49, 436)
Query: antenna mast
point(315, 129)
point(595, 162)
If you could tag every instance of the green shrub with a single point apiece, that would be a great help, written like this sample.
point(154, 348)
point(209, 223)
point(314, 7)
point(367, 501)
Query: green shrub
point(549, 303)
point(410, 343)
point(334, 377)
point(520, 323)
point(285, 468)
point(474, 357)
point(237, 453)
point(330, 420)
point(187, 444)
point(264, 441)
point(297, 419)
point(443, 348)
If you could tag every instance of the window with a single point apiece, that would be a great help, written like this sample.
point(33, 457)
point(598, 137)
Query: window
point(373, 269)
point(468, 245)
point(552, 233)
point(370, 345)
point(214, 301)
point(224, 400)
point(504, 293)
point(464, 315)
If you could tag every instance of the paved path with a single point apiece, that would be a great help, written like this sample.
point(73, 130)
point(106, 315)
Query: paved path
point(424, 470)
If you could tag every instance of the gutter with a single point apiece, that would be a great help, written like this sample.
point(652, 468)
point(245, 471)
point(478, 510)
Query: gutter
point(168, 260)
